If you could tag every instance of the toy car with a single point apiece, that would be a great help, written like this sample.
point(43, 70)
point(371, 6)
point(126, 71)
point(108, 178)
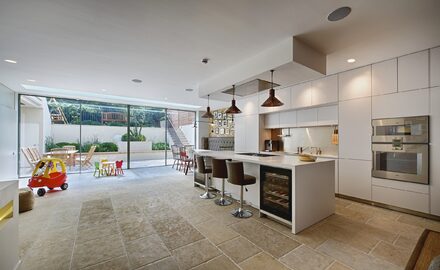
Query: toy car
point(50, 173)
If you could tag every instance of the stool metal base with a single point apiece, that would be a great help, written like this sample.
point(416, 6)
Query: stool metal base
point(207, 195)
point(222, 202)
point(241, 213)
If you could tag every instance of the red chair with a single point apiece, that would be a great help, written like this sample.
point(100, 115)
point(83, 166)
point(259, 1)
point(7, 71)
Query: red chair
point(185, 160)
point(119, 169)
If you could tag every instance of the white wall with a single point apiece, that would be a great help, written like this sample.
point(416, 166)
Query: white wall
point(8, 138)
point(188, 131)
point(70, 133)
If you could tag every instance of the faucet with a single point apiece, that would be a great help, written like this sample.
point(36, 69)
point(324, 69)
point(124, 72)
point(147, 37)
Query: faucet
point(318, 150)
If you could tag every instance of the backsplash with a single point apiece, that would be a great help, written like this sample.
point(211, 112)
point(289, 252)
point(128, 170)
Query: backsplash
point(308, 137)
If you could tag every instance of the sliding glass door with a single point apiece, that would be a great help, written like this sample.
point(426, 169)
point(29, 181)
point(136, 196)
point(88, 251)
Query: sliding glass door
point(147, 137)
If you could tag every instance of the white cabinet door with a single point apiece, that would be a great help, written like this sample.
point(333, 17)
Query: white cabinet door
point(401, 198)
point(248, 104)
point(384, 77)
point(325, 90)
point(272, 120)
point(284, 96)
point(307, 117)
point(355, 83)
point(435, 66)
point(288, 119)
point(355, 178)
point(239, 133)
point(355, 129)
point(435, 151)
point(252, 133)
point(328, 115)
point(409, 103)
point(301, 95)
point(262, 96)
point(413, 71)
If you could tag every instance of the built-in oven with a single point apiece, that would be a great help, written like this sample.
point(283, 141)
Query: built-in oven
point(406, 129)
point(404, 162)
point(401, 149)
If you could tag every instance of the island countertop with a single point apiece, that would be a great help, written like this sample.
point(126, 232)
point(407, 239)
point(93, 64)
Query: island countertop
point(279, 161)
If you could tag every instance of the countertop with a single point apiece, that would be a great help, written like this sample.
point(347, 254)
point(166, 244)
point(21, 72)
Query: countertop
point(279, 161)
point(296, 154)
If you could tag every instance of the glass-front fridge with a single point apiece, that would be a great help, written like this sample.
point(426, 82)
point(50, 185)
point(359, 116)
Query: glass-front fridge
point(276, 191)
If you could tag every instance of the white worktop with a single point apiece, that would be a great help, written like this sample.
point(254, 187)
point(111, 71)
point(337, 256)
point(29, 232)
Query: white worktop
point(279, 161)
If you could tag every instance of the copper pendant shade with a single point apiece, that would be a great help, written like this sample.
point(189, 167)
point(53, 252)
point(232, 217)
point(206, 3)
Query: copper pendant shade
point(272, 101)
point(233, 109)
point(208, 113)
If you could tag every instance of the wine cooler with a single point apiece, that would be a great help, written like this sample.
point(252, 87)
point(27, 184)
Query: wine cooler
point(276, 192)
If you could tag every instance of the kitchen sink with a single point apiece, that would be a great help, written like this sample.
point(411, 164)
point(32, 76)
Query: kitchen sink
point(255, 154)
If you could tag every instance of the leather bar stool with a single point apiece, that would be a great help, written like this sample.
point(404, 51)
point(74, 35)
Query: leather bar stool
point(236, 176)
point(201, 168)
point(219, 170)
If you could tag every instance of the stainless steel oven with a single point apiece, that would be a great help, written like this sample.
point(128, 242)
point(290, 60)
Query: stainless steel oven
point(406, 129)
point(401, 149)
point(404, 162)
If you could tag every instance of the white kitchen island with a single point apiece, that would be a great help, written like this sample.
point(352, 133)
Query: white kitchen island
point(312, 189)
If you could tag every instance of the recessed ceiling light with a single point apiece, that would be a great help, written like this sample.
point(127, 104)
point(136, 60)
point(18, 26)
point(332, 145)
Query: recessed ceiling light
point(136, 80)
point(205, 60)
point(10, 61)
point(339, 14)
point(189, 89)
point(31, 80)
point(351, 60)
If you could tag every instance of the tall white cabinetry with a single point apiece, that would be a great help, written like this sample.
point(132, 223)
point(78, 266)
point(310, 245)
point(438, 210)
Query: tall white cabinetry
point(8, 141)
point(413, 71)
point(435, 151)
point(247, 130)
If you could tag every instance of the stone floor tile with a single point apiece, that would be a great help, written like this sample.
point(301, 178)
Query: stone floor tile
point(305, 258)
point(405, 242)
point(239, 249)
point(54, 236)
point(338, 266)
point(419, 221)
point(393, 254)
point(135, 227)
point(56, 256)
point(97, 251)
point(119, 263)
point(271, 241)
point(354, 257)
point(181, 236)
point(262, 261)
point(216, 233)
point(168, 263)
point(146, 250)
point(195, 254)
point(407, 230)
point(220, 263)
point(91, 233)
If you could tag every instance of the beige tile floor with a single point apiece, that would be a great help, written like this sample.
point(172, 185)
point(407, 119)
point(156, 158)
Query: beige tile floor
point(153, 219)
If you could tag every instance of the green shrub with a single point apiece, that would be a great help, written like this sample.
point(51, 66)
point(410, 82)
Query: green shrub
point(49, 143)
point(91, 123)
point(161, 146)
point(107, 147)
point(62, 144)
point(133, 138)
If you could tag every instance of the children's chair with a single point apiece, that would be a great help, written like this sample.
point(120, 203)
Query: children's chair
point(98, 169)
point(119, 169)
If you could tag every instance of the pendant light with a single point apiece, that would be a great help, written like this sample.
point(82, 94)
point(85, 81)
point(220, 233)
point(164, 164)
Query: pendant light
point(272, 101)
point(233, 109)
point(208, 113)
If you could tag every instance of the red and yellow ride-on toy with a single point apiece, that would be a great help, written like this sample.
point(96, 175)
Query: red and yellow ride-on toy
point(50, 173)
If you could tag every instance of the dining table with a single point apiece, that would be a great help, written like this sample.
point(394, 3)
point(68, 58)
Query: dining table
point(71, 156)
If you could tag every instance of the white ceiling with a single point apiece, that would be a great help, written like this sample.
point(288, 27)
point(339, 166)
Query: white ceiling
point(89, 45)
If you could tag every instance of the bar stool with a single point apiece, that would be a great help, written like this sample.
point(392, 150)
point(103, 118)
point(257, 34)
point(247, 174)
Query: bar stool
point(201, 168)
point(219, 170)
point(236, 176)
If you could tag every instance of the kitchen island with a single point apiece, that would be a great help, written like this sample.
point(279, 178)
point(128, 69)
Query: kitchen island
point(284, 183)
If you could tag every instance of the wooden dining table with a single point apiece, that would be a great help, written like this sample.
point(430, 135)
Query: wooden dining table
point(70, 153)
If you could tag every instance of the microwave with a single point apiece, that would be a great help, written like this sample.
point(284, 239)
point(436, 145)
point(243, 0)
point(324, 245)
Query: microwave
point(405, 129)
